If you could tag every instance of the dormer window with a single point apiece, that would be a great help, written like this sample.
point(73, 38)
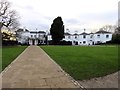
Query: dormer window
point(69, 37)
point(75, 37)
point(84, 36)
point(107, 36)
point(91, 36)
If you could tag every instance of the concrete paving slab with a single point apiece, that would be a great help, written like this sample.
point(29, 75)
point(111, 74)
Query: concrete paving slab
point(109, 81)
point(35, 69)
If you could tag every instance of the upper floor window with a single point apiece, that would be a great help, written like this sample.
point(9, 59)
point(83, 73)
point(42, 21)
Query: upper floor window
point(31, 35)
point(35, 36)
point(69, 37)
point(91, 36)
point(107, 36)
point(75, 37)
point(98, 36)
point(84, 36)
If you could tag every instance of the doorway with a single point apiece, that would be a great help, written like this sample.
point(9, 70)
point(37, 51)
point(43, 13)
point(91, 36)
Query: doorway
point(33, 42)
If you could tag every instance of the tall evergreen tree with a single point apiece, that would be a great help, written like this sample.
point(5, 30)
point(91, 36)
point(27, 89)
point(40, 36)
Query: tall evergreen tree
point(57, 30)
point(116, 36)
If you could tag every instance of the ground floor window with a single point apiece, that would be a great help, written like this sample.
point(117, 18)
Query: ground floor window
point(84, 42)
point(75, 42)
point(98, 42)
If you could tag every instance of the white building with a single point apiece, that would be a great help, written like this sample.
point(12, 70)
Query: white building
point(89, 39)
point(31, 37)
point(36, 38)
point(102, 37)
point(40, 37)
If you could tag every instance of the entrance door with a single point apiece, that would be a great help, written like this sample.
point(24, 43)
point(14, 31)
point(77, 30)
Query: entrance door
point(33, 42)
point(76, 43)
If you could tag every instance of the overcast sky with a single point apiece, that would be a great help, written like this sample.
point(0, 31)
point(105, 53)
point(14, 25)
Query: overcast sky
point(76, 14)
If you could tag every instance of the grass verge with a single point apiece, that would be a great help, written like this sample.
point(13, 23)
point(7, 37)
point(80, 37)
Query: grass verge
point(9, 53)
point(85, 62)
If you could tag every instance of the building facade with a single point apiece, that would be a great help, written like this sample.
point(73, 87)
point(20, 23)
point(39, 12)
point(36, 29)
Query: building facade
point(89, 38)
point(40, 37)
point(37, 38)
point(31, 37)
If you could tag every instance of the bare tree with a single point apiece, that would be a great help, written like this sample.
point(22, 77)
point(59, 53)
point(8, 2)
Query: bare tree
point(8, 17)
point(4, 5)
point(109, 28)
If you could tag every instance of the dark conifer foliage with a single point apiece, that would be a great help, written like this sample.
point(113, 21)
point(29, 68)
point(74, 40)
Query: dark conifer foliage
point(57, 30)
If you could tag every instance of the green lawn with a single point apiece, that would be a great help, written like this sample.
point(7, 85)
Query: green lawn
point(10, 53)
point(85, 62)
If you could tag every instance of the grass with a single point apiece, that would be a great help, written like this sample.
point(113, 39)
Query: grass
point(9, 53)
point(85, 62)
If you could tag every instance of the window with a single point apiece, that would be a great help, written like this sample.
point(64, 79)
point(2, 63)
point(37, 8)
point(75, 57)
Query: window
point(31, 35)
point(107, 36)
point(98, 36)
point(34, 35)
point(69, 37)
point(84, 36)
point(98, 42)
point(91, 36)
point(39, 35)
point(75, 37)
point(84, 42)
point(44, 36)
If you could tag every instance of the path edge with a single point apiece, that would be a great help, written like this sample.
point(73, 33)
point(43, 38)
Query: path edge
point(68, 75)
point(9, 66)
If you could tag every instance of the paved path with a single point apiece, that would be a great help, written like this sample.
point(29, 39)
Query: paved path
point(35, 69)
point(109, 81)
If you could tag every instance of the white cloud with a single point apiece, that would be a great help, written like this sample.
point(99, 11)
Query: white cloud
point(76, 14)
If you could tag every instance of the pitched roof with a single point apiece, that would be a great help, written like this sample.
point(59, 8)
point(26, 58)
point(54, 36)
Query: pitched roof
point(75, 34)
point(84, 33)
point(41, 32)
point(20, 30)
point(101, 31)
point(67, 34)
point(91, 33)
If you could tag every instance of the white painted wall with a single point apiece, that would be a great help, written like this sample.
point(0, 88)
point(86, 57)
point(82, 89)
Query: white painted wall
point(89, 40)
point(49, 37)
point(84, 41)
point(27, 37)
point(102, 38)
